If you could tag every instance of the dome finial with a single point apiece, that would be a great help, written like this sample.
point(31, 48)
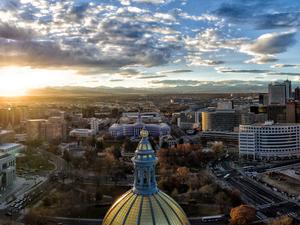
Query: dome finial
point(144, 133)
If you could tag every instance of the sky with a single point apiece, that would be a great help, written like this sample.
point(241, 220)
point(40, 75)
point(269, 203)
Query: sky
point(227, 44)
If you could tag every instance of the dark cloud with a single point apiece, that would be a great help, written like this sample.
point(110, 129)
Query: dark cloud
point(9, 31)
point(265, 47)
point(279, 20)
point(79, 10)
point(261, 13)
point(286, 66)
point(273, 43)
point(193, 86)
point(176, 82)
point(283, 74)
point(178, 71)
point(229, 70)
point(117, 44)
point(151, 77)
point(116, 80)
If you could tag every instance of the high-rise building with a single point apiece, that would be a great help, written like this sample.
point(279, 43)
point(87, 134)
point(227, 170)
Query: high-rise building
point(291, 112)
point(277, 93)
point(277, 113)
point(56, 129)
point(263, 99)
point(288, 89)
point(145, 203)
point(53, 129)
point(36, 129)
point(297, 94)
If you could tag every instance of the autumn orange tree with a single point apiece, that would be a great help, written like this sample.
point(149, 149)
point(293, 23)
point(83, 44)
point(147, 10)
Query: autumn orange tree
point(284, 220)
point(242, 215)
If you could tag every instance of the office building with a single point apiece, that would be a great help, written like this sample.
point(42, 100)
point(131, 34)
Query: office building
point(36, 129)
point(297, 94)
point(279, 92)
point(146, 117)
point(94, 124)
point(7, 170)
point(7, 136)
point(220, 120)
point(53, 129)
point(269, 141)
point(288, 89)
point(277, 113)
point(263, 99)
point(82, 133)
point(291, 112)
point(56, 129)
point(225, 105)
point(11, 148)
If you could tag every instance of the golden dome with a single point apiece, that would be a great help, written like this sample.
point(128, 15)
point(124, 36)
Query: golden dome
point(158, 208)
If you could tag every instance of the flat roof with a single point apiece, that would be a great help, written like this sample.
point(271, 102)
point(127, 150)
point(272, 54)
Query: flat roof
point(36, 120)
point(273, 125)
point(4, 155)
point(9, 145)
point(6, 131)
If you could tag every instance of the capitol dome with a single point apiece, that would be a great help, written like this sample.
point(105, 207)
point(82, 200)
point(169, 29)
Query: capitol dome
point(145, 204)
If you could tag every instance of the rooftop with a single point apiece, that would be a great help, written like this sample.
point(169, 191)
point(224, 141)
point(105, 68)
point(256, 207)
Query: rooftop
point(4, 155)
point(9, 145)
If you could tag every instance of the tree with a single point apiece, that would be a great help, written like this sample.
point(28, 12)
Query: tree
point(165, 144)
point(67, 156)
point(99, 195)
point(129, 146)
point(221, 200)
point(218, 148)
point(99, 146)
point(182, 173)
point(284, 220)
point(36, 217)
point(90, 156)
point(242, 215)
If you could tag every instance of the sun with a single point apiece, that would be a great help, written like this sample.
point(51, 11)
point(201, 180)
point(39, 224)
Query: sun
point(11, 86)
point(18, 81)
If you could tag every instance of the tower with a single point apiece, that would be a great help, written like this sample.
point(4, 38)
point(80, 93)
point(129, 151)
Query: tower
point(145, 204)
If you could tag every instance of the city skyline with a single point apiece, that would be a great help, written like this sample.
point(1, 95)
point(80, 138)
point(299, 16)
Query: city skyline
point(191, 45)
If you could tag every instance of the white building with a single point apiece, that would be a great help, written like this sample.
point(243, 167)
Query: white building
point(94, 123)
point(269, 141)
point(7, 170)
point(82, 133)
point(11, 148)
point(133, 130)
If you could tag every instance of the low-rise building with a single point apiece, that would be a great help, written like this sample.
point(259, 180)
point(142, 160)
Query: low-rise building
point(7, 170)
point(133, 130)
point(82, 133)
point(11, 148)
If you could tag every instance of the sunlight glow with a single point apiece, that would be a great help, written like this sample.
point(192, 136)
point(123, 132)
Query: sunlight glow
point(16, 81)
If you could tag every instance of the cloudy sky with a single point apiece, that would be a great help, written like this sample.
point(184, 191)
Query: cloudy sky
point(147, 43)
